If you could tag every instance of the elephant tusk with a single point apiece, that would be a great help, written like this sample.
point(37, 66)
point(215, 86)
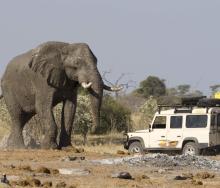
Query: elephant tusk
point(114, 88)
point(85, 85)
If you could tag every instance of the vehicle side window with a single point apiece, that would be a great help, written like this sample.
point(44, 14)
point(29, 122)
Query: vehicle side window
point(176, 122)
point(159, 122)
point(196, 121)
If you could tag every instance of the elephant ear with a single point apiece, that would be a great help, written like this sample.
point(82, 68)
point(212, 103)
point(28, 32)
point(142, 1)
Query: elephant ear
point(46, 61)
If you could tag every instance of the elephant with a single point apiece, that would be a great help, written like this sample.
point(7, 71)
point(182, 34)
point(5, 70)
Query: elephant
point(37, 80)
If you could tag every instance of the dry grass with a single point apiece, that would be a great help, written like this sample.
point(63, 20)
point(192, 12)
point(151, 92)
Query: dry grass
point(104, 149)
point(102, 144)
point(96, 140)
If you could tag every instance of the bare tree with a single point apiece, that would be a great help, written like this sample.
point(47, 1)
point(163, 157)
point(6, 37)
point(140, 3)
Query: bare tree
point(120, 81)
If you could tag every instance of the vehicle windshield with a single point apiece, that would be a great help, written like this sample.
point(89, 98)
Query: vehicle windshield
point(159, 122)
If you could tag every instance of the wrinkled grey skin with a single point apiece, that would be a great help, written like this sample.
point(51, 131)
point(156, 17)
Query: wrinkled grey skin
point(34, 82)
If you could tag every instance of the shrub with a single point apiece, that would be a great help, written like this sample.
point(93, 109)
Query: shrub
point(114, 116)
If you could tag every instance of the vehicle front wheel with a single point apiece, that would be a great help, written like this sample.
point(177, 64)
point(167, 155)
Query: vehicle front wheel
point(135, 147)
point(190, 148)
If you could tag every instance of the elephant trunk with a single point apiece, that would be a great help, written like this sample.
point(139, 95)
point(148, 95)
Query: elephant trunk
point(96, 93)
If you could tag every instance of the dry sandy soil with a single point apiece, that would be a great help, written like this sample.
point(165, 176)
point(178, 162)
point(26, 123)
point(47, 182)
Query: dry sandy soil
point(25, 164)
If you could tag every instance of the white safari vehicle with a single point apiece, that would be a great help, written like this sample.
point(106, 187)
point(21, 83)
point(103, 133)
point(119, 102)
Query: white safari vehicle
point(186, 127)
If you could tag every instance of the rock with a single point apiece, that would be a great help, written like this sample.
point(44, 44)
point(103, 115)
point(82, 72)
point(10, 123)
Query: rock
point(41, 175)
point(204, 175)
point(180, 178)
point(34, 182)
point(163, 161)
point(22, 183)
point(109, 161)
point(54, 171)
point(43, 170)
point(47, 184)
point(72, 158)
point(61, 185)
point(161, 171)
point(74, 171)
point(122, 175)
point(196, 182)
point(120, 152)
point(145, 177)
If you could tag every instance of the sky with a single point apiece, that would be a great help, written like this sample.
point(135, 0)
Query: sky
point(178, 41)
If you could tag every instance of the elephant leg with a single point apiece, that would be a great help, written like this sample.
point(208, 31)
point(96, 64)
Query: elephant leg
point(15, 139)
point(68, 113)
point(44, 110)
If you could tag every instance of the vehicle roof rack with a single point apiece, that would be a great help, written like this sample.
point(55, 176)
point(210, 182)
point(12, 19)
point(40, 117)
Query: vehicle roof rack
point(206, 102)
point(178, 108)
point(191, 101)
point(188, 103)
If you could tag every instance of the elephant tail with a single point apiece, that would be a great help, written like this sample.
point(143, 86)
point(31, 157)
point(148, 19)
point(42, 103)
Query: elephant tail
point(1, 96)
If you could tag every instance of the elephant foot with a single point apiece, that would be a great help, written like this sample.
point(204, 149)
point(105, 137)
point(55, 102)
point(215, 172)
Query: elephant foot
point(64, 142)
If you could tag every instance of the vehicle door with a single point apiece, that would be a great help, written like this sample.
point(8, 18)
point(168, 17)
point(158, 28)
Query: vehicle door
point(175, 132)
point(157, 136)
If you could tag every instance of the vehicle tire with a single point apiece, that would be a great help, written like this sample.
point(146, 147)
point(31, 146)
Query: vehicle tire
point(190, 148)
point(135, 147)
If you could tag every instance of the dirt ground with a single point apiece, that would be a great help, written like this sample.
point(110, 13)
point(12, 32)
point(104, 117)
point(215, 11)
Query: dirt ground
point(27, 165)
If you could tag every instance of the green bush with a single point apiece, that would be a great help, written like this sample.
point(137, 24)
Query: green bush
point(114, 116)
point(83, 117)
